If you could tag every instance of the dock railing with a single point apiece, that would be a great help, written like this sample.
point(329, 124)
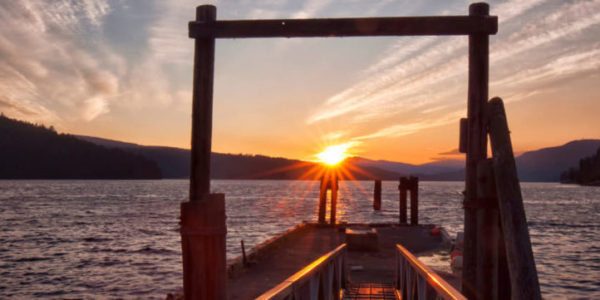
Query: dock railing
point(414, 280)
point(322, 279)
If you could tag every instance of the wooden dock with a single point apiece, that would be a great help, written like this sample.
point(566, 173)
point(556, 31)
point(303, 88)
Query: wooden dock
point(497, 248)
point(279, 258)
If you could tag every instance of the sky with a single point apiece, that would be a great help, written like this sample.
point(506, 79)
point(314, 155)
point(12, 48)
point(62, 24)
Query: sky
point(123, 70)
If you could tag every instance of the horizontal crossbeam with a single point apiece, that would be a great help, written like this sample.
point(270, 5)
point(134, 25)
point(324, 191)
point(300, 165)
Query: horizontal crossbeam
point(389, 26)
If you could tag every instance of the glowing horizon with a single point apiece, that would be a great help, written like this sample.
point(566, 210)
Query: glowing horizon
point(122, 70)
point(334, 154)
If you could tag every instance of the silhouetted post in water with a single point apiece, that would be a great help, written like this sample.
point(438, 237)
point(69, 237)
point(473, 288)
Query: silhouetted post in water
point(203, 217)
point(334, 190)
point(410, 184)
point(329, 181)
point(244, 259)
point(476, 148)
point(523, 275)
point(414, 200)
point(322, 200)
point(377, 195)
point(403, 187)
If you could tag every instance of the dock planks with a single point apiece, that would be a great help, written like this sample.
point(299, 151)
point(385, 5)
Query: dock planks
point(371, 291)
point(312, 241)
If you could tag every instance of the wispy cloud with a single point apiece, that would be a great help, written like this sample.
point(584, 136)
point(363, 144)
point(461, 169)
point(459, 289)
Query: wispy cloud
point(310, 8)
point(403, 129)
point(429, 73)
point(44, 67)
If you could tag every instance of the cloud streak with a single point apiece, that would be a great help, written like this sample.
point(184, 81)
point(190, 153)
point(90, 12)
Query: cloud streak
point(429, 73)
point(44, 68)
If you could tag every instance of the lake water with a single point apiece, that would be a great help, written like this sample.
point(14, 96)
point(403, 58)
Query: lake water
point(119, 239)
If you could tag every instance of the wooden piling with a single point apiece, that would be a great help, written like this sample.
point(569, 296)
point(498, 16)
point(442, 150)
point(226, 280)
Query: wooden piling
point(523, 275)
point(244, 259)
point(334, 190)
point(202, 223)
point(476, 146)
point(203, 233)
point(414, 200)
point(377, 195)
point(323, 200)
point(403, 187)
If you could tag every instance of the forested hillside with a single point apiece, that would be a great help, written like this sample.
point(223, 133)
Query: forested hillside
point(29, 151)
point(588, 172)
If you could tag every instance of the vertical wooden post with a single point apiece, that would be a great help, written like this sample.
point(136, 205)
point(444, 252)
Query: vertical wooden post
point(244, 259)
point(504, 288)
point(414, 200)
point(402, 187)
point(377, 195)
point(202, 224)
point(323, 199)
point(204, 62)
point(488, 229)
point(476, 146)
point(334, 190)
point(523, 275)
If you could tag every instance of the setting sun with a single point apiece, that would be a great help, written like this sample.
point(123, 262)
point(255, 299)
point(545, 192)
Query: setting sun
point(335, 154)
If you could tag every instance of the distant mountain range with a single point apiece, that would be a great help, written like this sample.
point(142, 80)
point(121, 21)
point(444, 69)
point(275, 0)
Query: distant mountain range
point(30, 151)
point(541, 165)
point(175, 163)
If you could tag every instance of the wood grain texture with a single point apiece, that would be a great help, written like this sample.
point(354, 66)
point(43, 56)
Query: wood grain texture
point(203, 233)
point(388, 26)
point(202, 105)
point(476, 148)
point(523, 275)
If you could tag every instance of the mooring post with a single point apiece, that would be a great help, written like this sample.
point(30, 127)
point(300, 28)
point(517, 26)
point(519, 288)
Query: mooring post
point(202, 223)
point(334, 190)
point(377, 195)
point(323, 199)
point(414, 200)
point(476, 148)
point(244, 259)
point(403, 187)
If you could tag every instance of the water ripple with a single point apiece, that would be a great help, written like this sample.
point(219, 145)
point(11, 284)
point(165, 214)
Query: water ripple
point(120, 239)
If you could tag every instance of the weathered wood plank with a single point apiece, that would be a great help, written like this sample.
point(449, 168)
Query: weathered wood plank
point(523, 275)
point(388, 26)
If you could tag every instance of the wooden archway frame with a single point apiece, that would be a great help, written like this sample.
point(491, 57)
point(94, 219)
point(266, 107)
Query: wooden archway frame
point(203, 217)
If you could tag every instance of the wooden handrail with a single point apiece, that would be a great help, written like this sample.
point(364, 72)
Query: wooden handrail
point(423, 274)
point(315, 271)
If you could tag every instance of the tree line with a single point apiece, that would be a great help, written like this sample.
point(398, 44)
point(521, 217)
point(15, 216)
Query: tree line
point(588, 172)
point(30, 151)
